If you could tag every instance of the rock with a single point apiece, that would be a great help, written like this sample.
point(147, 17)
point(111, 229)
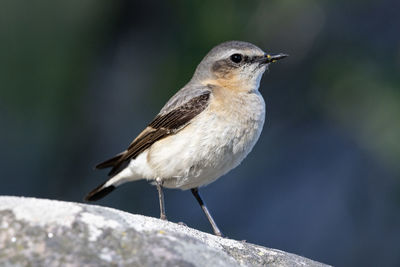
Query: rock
point(40, 232)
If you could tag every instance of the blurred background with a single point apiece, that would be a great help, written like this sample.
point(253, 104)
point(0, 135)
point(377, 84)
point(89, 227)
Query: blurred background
point(80, 79)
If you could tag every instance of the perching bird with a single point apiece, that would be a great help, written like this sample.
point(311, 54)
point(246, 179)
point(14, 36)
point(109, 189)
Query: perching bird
point(205, 130)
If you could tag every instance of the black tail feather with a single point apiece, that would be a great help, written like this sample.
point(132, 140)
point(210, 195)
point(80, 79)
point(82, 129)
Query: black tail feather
point(99, 192)
point(110, 162)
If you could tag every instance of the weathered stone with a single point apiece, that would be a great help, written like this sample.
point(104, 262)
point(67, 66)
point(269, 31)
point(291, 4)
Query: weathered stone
point(40, 232)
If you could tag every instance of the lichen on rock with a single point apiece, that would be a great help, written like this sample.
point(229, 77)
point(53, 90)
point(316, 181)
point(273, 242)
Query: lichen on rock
point(40, 232)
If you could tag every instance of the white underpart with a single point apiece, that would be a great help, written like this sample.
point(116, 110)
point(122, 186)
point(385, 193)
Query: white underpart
point(210, 146)
point(137, 169)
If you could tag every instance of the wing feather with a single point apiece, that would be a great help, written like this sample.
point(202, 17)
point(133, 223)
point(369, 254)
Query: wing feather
point(163, 125)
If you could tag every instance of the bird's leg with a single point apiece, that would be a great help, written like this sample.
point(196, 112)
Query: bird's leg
point(195, 192)
point(159, 184)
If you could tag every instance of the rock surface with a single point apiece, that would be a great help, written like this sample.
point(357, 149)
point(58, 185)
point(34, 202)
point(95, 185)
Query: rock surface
point(40, 232)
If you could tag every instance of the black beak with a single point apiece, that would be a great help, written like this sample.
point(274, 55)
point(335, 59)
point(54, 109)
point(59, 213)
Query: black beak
point(272, 58)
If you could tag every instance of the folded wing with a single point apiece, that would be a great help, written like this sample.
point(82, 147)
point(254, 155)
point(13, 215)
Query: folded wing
point(163, 125)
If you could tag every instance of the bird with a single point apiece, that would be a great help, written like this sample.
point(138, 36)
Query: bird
point(205, 130)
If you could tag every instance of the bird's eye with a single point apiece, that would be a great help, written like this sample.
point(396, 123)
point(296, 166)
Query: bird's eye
point(236, 58)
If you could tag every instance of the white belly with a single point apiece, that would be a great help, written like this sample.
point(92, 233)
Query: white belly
point(211, 145)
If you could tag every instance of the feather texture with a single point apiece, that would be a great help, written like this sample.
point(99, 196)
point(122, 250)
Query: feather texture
point(164, 124)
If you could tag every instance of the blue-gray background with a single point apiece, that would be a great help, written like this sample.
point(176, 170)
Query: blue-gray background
point(80, 79)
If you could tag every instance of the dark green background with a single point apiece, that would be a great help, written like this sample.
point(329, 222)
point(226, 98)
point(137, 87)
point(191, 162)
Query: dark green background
point(80, 79)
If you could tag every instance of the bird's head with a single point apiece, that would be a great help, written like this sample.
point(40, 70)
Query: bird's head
point(236, 65)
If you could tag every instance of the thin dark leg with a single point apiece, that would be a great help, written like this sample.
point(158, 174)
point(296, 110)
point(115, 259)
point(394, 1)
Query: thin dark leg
point(161, 199)
point(195, 192)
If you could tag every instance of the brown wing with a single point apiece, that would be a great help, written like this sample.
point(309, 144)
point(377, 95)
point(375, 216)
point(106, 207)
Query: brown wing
point(162, 126)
